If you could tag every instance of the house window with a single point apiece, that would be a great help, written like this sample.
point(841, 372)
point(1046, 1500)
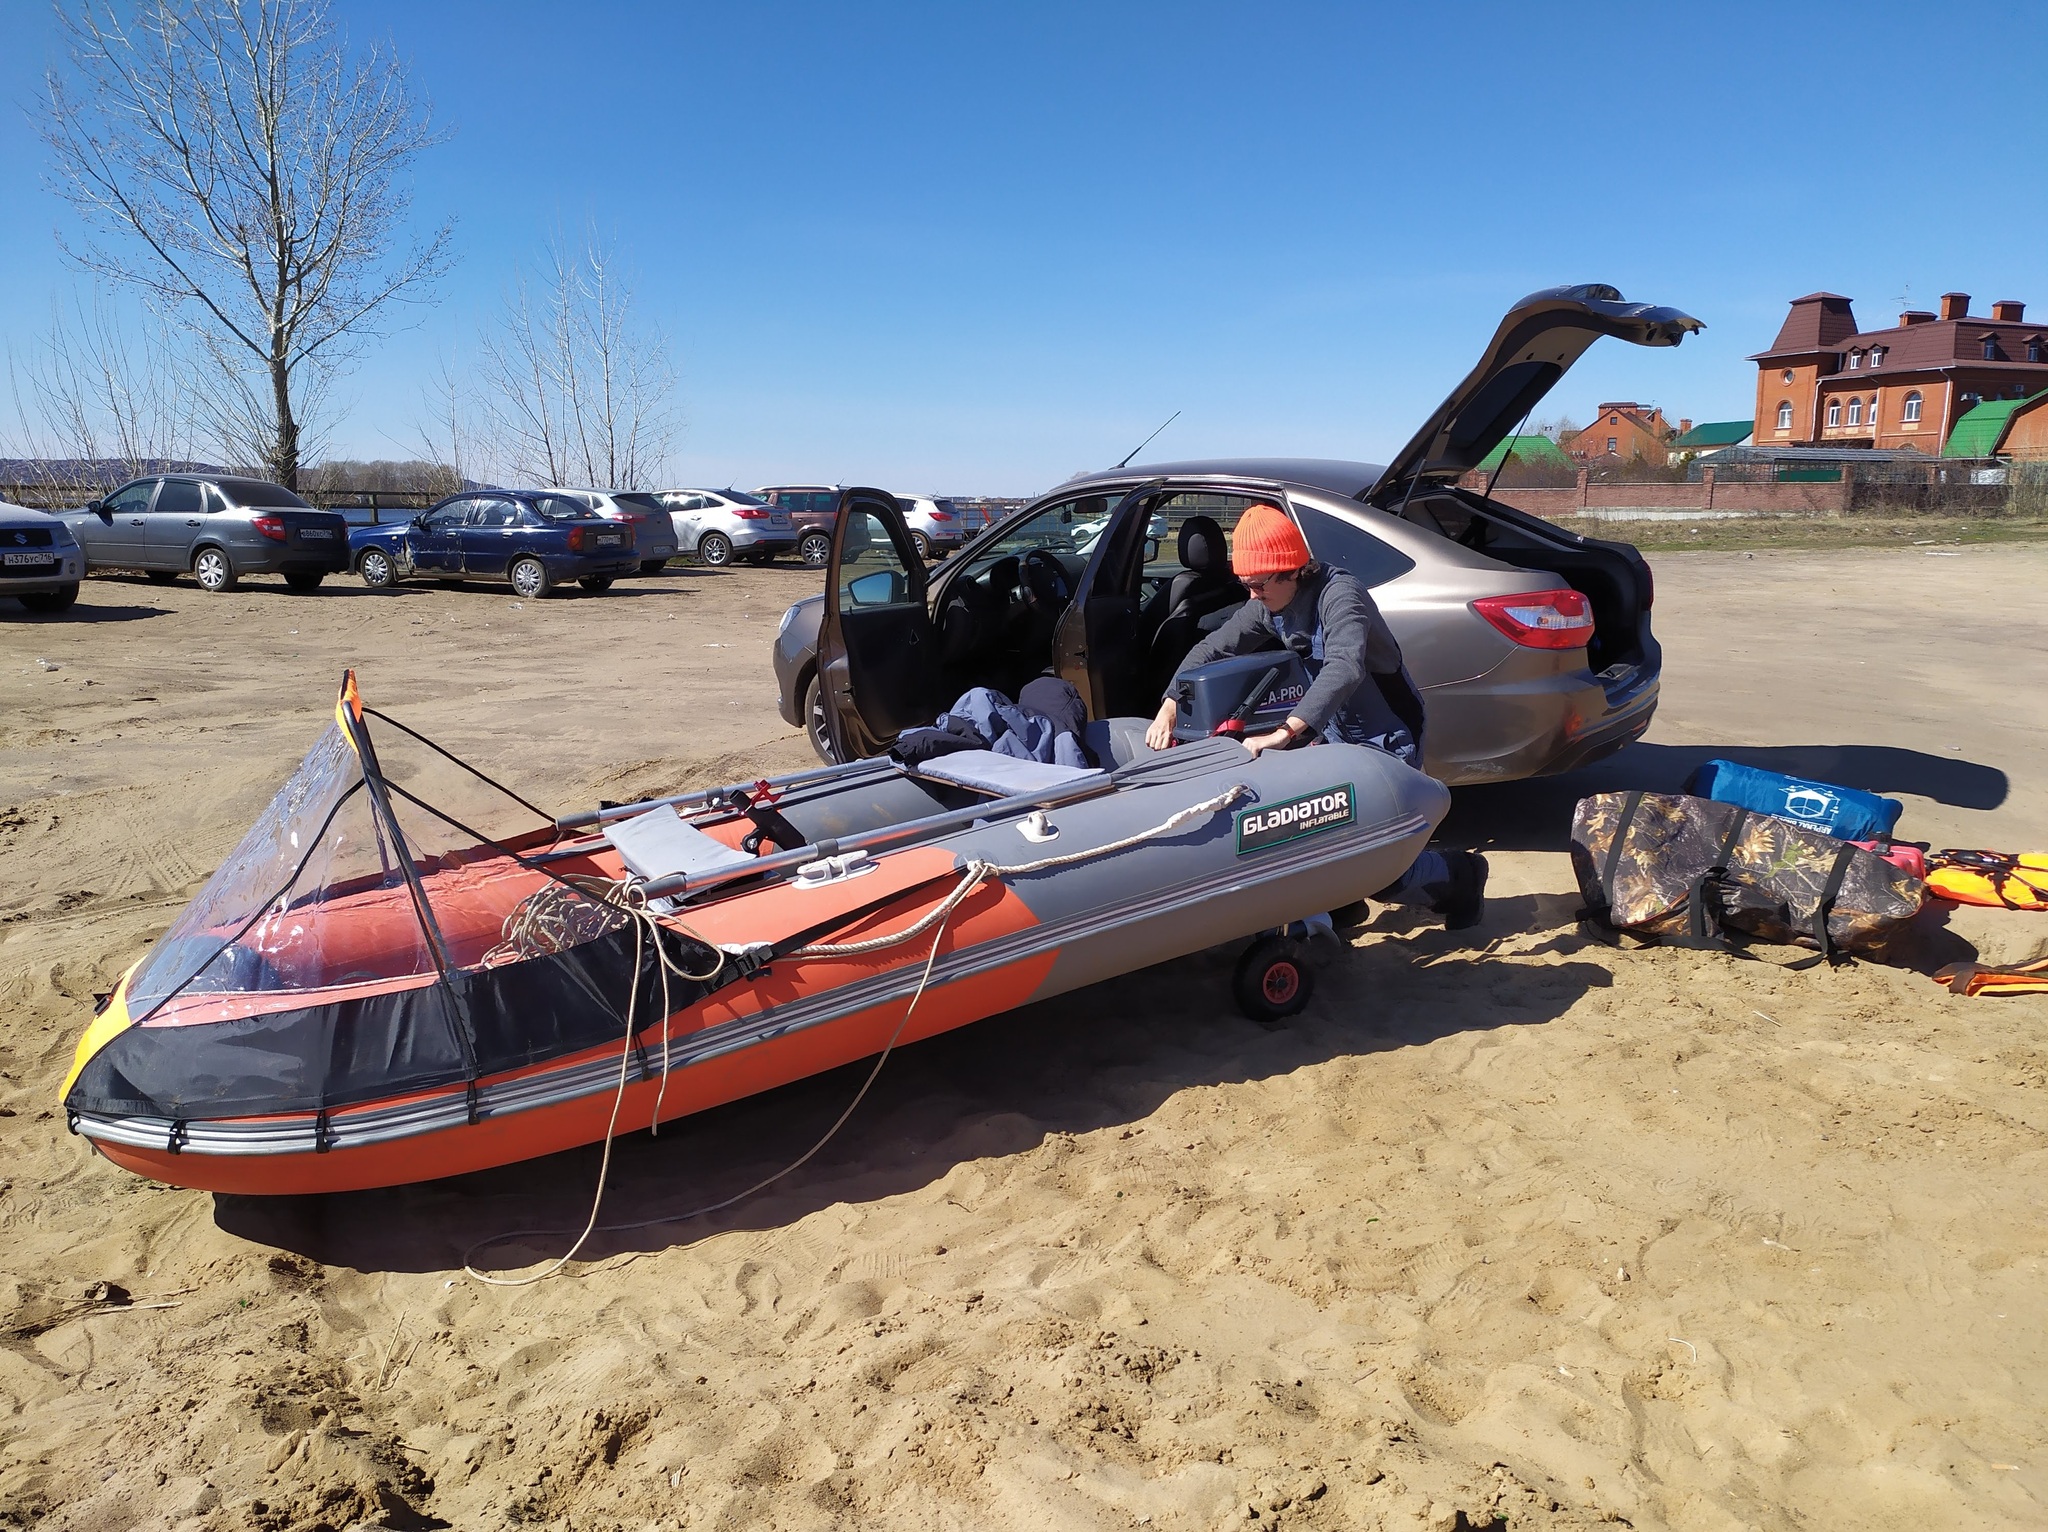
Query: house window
point(1912, 410)
point(1855, 412)
point(1610, 448)
point(2033, 351)
point(1784, 414)
point(1855, 360)
point(1877, 356)
point(1785, 376)
point(1873, 412)
point(1990, 348)
point(1834, 412)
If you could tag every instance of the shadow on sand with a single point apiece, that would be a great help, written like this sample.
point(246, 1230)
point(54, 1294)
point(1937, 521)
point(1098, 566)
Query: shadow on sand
point(1109, 1055)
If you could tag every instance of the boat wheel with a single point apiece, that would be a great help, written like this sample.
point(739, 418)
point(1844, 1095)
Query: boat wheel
point(1273, 981)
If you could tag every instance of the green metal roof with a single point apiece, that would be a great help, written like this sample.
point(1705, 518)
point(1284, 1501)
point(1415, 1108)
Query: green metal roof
point(1980, 429)
point(1533, 450)
point(1714, 433)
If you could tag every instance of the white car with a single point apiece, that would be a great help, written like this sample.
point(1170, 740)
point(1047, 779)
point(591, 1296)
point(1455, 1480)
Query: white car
point(936, 524)
point(40, 561)
point(720, 525)
point(654, 536)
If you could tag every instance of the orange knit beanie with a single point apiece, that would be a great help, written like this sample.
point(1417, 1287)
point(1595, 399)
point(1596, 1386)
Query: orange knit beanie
point(1266, 543)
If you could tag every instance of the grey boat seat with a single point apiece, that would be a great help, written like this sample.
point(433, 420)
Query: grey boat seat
point(1002, 776)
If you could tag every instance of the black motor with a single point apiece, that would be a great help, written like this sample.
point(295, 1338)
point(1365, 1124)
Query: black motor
point(1250, 694)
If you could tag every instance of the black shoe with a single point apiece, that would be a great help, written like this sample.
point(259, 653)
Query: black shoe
point(1463, 900)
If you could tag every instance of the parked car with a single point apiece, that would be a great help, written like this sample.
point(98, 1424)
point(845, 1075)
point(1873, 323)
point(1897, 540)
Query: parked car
point(654, 533)
point(936, 524)
point(40, 561)
point(720, 525)
point(1531, 644)
point(537, 539)
point(813, 509)
point(219, 526)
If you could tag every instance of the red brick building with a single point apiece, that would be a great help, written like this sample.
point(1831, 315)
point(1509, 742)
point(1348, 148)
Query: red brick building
point(1825, 382)
point(1623, 430)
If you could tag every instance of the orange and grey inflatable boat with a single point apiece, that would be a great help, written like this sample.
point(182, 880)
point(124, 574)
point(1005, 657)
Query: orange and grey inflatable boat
point(405, 971)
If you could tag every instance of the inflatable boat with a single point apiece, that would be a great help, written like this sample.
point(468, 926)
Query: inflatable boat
point(406, 971)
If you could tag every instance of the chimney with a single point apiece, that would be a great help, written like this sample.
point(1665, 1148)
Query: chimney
point(1955, 305)
point(1684, 425)
point(1915, 316)
point(2007, 309)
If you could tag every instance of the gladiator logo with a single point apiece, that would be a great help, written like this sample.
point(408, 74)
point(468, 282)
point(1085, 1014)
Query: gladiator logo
point(1273, 824)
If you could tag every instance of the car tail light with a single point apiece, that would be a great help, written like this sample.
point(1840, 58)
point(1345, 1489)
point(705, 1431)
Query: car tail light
point(271, 527)
point(944, 516)
point(579, 539)
point(751, 513)
point(1540, 619)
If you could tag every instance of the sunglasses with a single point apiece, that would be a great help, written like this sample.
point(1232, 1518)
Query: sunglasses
point(1258, 584)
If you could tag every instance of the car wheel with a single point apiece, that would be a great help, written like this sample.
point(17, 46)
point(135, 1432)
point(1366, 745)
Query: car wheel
point(377, 570)
point(814, 721)
point(596, 584)
point(653, 566)
point(530, 578)
point(210, 567)
point(161, 576)
point(304, 579)
point(815, 550)
point(714, 549)
point(923, 545)
point(50, 600)
point(1273, 981)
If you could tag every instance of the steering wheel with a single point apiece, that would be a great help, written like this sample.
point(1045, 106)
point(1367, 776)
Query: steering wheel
point(1046, 579)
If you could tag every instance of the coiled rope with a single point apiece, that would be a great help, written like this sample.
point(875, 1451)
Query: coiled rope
point(972, 876)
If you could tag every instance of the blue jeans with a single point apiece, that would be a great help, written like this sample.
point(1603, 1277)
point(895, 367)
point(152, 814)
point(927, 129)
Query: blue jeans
point(1412, 886)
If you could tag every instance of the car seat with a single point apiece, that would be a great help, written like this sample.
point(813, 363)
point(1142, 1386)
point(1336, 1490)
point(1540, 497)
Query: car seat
point(1197, 600)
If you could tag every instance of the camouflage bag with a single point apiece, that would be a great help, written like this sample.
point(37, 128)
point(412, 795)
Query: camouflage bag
point(1689, 872)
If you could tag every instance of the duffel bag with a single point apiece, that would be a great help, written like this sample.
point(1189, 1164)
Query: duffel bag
point(1847, 813)
point(1690, 872)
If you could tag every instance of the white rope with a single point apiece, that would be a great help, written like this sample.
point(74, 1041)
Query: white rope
point(972, 876)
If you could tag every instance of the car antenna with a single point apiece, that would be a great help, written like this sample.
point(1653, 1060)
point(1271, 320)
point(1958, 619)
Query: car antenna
point(1170, 419)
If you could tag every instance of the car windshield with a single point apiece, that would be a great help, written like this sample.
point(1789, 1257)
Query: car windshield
point(259, 492)
point(635, 501)
point(562, 508)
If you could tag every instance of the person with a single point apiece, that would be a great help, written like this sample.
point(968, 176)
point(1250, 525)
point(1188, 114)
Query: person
point(1359, 689)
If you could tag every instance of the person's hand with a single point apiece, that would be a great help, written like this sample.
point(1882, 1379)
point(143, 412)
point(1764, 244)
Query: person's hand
point(1159, 733)
point(1279, 739)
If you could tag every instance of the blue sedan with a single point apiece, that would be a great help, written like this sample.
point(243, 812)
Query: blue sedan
point(534, 538)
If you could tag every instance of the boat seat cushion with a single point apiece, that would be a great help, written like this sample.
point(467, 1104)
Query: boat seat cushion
point(658, 844)
point(1006, 776)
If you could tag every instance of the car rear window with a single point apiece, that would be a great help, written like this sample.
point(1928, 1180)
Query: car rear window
point(259, 492)
point(1335, 540)
point(741, 497)
point(562, 508)
point(634, 500)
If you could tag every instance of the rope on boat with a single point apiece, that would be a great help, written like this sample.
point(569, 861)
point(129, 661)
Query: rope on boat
point(972, 876)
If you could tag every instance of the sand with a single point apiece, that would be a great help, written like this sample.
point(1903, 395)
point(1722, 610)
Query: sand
point(1510, 1228)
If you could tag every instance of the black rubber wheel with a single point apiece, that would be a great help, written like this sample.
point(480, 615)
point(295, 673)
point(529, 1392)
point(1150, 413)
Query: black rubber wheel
point(597, 585)
point(378, 570)
point(530, 578)
point(653, 566)
point(815, 550)
point(161, 576)
point(50, 600)
point(923, 545)
point(814, 721)
point(1273, 980)
point(213, 571)
point(714, 550)
point(304, 579)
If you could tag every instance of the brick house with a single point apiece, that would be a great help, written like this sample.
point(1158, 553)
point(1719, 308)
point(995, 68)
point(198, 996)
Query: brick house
point(1825, 382)
point(1626, 430)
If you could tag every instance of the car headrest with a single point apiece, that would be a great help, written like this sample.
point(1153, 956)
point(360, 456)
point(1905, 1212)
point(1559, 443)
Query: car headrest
point(1201, 546)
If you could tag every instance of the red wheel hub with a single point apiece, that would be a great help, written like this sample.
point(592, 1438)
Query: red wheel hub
point(1281, 983)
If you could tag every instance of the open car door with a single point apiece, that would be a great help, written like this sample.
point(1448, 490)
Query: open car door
point(878, 653)
point(1537, 342)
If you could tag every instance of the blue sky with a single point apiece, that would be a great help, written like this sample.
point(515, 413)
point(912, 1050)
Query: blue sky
point(977, 248)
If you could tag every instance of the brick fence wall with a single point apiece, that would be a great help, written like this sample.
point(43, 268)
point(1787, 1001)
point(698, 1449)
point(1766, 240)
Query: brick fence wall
point(1706, 495)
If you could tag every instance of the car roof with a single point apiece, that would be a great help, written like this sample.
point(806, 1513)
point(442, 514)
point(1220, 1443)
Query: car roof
point(1334, 475)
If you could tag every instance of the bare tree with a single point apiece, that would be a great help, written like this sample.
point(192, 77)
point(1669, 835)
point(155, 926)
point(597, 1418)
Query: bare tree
point(576, 388)
point(235, 163)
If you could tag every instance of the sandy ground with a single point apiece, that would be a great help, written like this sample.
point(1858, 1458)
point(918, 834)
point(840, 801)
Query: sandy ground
point(1518, 1231)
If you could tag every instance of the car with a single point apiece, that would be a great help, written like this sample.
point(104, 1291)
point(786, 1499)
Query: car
point(40, 561)
point(720, 525)
point(812, 508)
point(1532, 644)
point(537, 539)
point(654, 533)
point(937, 525)
point(220, 527)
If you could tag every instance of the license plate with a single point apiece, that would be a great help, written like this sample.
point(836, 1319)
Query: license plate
point(611, 542)
point(316, 534)
point(13, 560)
point(778, 521)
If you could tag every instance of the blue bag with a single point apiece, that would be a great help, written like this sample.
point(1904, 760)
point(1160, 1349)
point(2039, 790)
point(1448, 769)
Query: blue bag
point(1847, 813)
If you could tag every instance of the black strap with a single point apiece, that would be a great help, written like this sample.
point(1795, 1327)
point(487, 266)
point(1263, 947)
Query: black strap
point(1603, 910)
point(1704, 928)
point(323, 1133)
point(1830, 891)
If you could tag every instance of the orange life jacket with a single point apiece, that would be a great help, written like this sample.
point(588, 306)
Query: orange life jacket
point(1977, 979)
point(2001, 879)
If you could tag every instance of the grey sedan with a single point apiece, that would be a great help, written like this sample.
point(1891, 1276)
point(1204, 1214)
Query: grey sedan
point(39, 561)
point(219, 527)
point(1531, 644)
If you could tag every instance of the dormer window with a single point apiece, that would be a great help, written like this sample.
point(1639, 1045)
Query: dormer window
point(1990, 348)
point(1877, 356)
point(2033, 351)
point(1855, 360)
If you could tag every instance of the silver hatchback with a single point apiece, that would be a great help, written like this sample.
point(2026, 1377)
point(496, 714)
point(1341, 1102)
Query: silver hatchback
point(721, 525)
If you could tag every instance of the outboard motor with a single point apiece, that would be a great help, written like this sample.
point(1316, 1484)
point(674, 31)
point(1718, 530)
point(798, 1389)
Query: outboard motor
point(1238, 696)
